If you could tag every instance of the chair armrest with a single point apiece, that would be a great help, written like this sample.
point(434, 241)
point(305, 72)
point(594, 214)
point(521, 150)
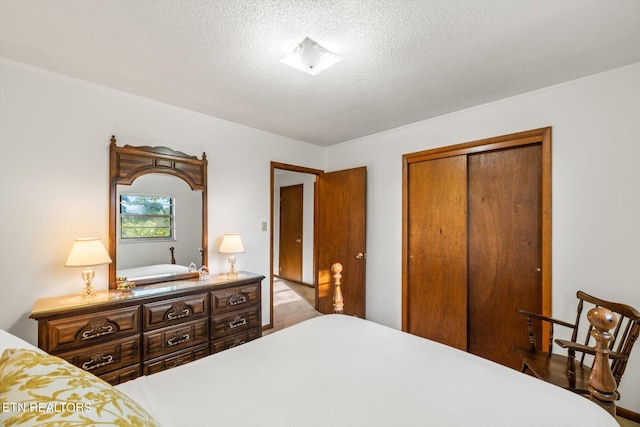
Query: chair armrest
point(614, 355)
point(546, 319)
point(575, 346)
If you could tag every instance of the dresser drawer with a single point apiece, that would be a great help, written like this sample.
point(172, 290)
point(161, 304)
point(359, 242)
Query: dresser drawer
point(173, 311)
point(176, 359)
point(235, 298)
point(234, 340)
point(122, 375)
point(234, 322)
point(81, 331)
point(167, 340)
point(102, 358)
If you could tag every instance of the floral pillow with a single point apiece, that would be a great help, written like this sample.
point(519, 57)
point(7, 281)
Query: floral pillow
point(44, 390)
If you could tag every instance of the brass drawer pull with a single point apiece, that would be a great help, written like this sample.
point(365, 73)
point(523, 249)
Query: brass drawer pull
point(237, 322)
point(98, 360)
point(180, 362)
point(237, 343)
point(98, 329)
point(178, 313)
point(178, 339)
point(237, 299)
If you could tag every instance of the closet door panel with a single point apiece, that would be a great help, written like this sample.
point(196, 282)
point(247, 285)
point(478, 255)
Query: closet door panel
point(437, 248)
point(504, 249)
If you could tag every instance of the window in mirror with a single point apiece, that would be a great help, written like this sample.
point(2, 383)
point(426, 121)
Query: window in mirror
point(147, 217)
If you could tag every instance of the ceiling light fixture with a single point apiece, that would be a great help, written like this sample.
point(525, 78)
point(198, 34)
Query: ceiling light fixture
point(311, 58)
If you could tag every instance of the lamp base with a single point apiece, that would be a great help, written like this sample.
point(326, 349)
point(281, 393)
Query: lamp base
point(87, 275)
point(232, 273)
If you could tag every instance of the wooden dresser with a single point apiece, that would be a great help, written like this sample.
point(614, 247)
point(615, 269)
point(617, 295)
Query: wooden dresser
point(119, 336)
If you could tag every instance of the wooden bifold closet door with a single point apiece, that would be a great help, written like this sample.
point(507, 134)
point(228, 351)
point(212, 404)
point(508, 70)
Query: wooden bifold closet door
point(477, 242)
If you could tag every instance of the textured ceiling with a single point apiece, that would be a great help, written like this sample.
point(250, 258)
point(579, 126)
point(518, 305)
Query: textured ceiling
point(405, 60)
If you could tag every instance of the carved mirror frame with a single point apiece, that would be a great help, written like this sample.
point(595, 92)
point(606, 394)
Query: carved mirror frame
point(128, 163)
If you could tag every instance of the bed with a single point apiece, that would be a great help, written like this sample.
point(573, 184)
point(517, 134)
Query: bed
point(332, 370)
point(338, 370)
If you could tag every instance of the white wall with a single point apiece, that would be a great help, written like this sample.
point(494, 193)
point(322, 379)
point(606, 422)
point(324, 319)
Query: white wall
point(595, 190)
point(54, 159)
point(54, 137)
point(282, 179)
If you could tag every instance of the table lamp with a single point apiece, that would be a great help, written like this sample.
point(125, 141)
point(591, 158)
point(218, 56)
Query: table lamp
point(87, 252)
point(231, 244)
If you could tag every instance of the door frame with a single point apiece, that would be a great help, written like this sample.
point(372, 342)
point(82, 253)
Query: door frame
point(542, 136)
point(291, 168)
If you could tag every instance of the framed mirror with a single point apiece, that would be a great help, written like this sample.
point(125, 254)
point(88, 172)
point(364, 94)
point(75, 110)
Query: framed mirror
point(157, 214)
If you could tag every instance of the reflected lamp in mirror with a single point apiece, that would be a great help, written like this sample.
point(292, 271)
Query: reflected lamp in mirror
point(231, 244)
point(87, 252)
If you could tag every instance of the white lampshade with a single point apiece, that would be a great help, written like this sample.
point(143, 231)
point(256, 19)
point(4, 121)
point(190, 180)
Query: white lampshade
point(231, 244)
point(86, 252)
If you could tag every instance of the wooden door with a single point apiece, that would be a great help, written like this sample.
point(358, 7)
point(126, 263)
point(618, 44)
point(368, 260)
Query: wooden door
point(437, 270)
point(504, 250)
point(463, 290)
point(341, 237)
point(290, 239)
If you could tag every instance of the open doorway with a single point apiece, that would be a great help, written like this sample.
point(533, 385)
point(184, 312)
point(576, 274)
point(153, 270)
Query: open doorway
point(293, 198)
point(339, 235)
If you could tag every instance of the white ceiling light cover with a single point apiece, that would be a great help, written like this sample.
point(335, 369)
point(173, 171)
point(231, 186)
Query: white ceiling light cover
point(311, 58)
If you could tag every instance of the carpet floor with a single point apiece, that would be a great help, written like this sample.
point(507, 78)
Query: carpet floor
point(292, 303)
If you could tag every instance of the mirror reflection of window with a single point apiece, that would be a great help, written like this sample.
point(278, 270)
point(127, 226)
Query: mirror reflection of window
point(147, 217)
point(186, 228)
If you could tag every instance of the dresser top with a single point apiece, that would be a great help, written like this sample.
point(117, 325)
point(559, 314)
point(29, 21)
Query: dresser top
point(47, 306)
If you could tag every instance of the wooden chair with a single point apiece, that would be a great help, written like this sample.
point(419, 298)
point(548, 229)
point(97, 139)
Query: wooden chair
point(571, 371)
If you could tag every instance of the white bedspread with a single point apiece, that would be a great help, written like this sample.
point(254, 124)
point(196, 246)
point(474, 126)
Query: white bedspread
point(342, 371)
